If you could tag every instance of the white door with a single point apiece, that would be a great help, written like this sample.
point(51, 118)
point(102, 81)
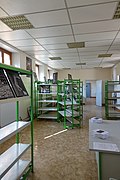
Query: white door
point(99, 93)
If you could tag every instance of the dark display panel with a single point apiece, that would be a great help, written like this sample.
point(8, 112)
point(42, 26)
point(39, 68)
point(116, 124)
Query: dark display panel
point(5, 88)
point(17, 83)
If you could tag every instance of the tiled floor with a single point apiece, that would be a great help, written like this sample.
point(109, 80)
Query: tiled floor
point(64, 156)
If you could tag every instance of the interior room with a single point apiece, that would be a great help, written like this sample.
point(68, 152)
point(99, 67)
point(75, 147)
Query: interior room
point(59, 89)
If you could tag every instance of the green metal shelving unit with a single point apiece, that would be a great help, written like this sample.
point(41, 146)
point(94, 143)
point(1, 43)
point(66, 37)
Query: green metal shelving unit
point(112, 100)
point(15, 167)
point(69, 97)
point(45, 100)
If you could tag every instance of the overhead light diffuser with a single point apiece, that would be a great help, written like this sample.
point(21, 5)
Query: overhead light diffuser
point(17, 22)
point(80, 64)
point(104, 55)
point(76, 45)
point(117, 12)
point(55, 58)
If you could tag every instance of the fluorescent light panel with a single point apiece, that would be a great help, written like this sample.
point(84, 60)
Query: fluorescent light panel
point(55, 58)
point(17, 22)
point(76, 45)
point(104, 55)
point(80, 64)
point(117, 12)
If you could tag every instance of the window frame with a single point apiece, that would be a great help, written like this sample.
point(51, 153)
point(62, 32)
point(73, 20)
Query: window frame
point(7, 52)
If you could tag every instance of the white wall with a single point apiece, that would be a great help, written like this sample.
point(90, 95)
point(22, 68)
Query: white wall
point(87, 74)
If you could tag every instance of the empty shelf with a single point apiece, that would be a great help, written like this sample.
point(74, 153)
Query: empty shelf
point(45, 93)
point(75, 113)
point(11, 129)
point(47, 116)
point(47, 101)
point(72, 121)
point(48, 109)
point(67, 113)
point(17, 170)
point(11, 156)
point(68, 103)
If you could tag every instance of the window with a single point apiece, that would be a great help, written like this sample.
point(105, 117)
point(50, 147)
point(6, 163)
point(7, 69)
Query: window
point(5, 57)
point(37, 70)
point(0, 57)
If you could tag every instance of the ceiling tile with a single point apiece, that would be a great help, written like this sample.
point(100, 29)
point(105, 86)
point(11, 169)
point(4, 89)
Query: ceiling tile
point(63, 51)
point(20, 43)
point(96, 36)
point(111, 25)
point(115, 47)
point(107, 65)
point(92, 53)
point(38, 52)
point(55, 46)
point(97, 60)
point(16, 7)
point(55, 40)
point(75, 3)
point(44, 57)
point(92, 13)
point(2, 13)
point(98, 43)
point(49, 18)
point(89, 49)
point(67, 55)
point(4, 27)
point(118, 36)
point(50, 31)
point(14, 35)
point(31, 48)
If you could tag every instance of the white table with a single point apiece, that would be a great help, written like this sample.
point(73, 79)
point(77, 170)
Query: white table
point(108, 159)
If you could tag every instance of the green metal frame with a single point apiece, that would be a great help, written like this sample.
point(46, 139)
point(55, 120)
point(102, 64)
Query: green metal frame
point(39, 96)
point(24, 72)
point(63, 95)
point(99, 166)
point(108, 98)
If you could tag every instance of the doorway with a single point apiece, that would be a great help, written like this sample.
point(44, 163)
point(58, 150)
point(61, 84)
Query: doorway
point(88, 90)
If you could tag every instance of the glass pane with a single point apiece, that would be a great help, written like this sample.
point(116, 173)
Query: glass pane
point(0, 57)
point(6, 59)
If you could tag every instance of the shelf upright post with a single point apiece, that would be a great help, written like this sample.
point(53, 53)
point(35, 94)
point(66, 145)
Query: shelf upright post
point(64, 89)
point(80, 103)
point(17, 119)
point(31, 119)
point(72, 94)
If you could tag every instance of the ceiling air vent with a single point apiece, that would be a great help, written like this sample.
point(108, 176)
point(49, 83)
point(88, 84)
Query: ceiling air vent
point(66, 68)
point(17, 22)
point(76, 45)
point(104, 55)
point(55, 58)
point(117, 12)
point(80, 64)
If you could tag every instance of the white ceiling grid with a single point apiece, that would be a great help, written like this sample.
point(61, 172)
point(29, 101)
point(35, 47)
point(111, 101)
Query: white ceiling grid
point(58, 22)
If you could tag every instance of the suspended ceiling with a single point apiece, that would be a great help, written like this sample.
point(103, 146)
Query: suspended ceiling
point(58, 22)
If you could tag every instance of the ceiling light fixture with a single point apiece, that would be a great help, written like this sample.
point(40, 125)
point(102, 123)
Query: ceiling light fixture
point(76, 45)
point(66, 68)
point(104, 55)
point(17, 22)
point(117, 12)
point(80, 64)
point(55, 58)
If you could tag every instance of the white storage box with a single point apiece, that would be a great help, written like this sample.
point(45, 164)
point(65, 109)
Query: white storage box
point(96, 120)
point(101, 133)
